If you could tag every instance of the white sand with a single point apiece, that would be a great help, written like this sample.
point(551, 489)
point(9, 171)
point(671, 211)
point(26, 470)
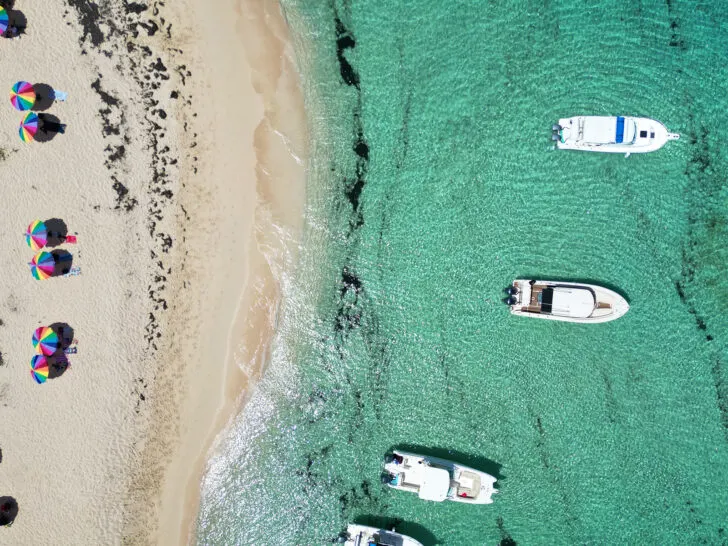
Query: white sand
point(161, 309)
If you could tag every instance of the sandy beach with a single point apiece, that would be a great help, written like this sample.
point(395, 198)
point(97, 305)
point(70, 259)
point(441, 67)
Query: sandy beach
point(181, 172)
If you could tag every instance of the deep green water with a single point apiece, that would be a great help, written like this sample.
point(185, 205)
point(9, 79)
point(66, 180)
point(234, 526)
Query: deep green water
point(433, 184)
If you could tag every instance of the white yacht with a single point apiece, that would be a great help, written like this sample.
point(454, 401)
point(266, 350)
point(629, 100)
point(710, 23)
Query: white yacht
point(438, 479)
point(567, 301)
point(363, 535)
point(612, 134)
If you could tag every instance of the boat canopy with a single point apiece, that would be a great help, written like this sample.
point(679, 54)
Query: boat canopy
point(608, 130)
point(435, 484)
point(600, 129)
point(570, 301)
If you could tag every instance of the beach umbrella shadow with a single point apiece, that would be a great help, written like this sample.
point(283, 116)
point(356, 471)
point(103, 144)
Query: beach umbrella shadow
point(63, 262)
point(48, 128)
point(58, 361)
point(45, 96)
point(65, 335)
point(57, 232)
point(8, 510)
point(17, 22)
point(57, 365)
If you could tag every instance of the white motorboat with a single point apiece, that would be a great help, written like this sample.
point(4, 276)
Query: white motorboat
point(438, 479)
point(567, 301)
point(363, 535)
point(612, 134)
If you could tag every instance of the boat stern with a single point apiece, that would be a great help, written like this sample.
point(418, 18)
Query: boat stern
point(518, 294)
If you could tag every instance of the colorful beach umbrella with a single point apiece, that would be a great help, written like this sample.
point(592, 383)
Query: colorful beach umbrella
point(22, 96)
point(29, 127)
point(36, 235)
point(4, 20)
point(45, 341)
point(39, 368)
point(42, 266)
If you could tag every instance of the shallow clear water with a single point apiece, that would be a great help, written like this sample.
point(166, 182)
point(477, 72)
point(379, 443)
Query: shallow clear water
point(433, 185)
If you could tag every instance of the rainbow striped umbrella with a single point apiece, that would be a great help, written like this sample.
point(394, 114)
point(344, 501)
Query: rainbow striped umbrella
point(45, 341)
point(4, 20)
point(29, 127)
point(39, 368)
point(36, 235)
point(22, 96)
point(42, 266)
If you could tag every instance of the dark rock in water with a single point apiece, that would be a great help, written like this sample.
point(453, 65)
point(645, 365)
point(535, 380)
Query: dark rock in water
point(506, 539)
point(361, 149)
point(344, 41)
point(350, 281)
point(353, 193)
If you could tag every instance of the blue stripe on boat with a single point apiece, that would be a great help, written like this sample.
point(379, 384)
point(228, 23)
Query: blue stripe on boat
point(620, 130)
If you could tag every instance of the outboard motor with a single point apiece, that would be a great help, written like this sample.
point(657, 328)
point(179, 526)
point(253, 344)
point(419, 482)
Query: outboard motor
point(386, 478)
point(555, 137)
point(511, 300)
point(511, 290)
point(556, 128)
point(388, 458)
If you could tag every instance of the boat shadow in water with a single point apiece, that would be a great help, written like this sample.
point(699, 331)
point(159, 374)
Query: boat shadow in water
point(473, 461)
point(596, 282)
point(414, 530)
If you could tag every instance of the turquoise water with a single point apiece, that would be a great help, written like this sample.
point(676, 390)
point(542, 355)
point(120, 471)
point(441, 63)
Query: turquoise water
point(433, 184)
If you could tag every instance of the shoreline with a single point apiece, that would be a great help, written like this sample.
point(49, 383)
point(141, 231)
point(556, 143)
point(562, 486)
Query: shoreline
point(265, 76)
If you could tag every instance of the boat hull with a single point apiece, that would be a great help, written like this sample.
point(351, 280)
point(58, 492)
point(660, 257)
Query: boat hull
point(608, 305)
point(478, 486)
point(361, 535)
point(599, 134)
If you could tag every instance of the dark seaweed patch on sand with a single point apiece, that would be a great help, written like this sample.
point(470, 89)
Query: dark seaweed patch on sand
point(122, 31)
point(89, 17)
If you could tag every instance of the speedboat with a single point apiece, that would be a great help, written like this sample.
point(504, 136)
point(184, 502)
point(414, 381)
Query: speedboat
point(567, 301)
point(363, 535)
point(612, 134)
point(438, 479)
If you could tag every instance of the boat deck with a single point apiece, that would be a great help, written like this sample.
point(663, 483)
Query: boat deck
point(533, 305)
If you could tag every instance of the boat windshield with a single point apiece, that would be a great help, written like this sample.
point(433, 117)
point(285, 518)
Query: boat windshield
point(389, 539)
point(546, 297)
point(620, 130)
